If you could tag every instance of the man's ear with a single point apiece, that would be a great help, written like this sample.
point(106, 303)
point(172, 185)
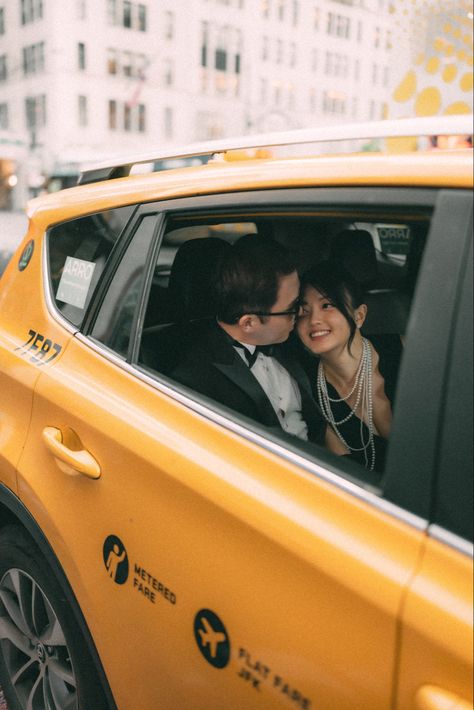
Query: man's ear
point(246, 322)
point(360, 315)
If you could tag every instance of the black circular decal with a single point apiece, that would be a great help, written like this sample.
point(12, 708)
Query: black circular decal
point(115, 559)
point(26, 255)
point(212, 638)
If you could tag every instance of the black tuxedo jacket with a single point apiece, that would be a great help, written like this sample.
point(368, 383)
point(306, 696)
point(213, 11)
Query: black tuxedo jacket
point(212, 367)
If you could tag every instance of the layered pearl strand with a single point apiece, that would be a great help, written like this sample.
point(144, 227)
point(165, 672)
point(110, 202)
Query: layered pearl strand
point(364, 398)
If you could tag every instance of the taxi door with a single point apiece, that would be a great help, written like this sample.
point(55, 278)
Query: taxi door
point(436, 659)
point(215, 567)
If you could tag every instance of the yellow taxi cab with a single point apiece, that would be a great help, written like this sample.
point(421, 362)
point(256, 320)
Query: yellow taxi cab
point(160, 550)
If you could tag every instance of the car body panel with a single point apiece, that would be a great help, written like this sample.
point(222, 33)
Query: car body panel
point(25, 326)
point(436, 641)
point(287, 540)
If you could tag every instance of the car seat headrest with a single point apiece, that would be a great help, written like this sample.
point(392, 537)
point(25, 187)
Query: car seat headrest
point(192, 278)
point(355, 251)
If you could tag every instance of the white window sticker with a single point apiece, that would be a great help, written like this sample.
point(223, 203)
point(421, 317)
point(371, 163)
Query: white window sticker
point(75, 281)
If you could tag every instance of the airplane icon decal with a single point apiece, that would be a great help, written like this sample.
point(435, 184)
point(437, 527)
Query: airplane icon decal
point(209, 637)
point(212, 638)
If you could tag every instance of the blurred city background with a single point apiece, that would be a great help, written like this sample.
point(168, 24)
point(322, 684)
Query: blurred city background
point(88, 80)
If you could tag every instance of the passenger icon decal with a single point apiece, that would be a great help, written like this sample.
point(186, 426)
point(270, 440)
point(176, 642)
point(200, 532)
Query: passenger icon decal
point(115, 559)
point(212, 638)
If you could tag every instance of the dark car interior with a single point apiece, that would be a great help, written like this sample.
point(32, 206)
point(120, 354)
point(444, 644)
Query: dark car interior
point(383, 253)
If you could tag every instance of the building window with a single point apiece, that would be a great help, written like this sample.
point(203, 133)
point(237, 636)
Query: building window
point(386, 76)
point(357, 69)
point(264, 49)
point(169, 25)
point(142, 18)
point(338, 25)
point(375, 73)
point(291, 98)
point(168, 122)
point(112, 61)
point(35, 110)
point(113, 115)
point(33, 59)
point(81, 56)
point(3, 116)
point(266, 8)
point(2, 22)
point(334, 102)
point(279, 51)
point(220, 59)
point(281, 10)
point(312, 100)
point(316, 18)
point(127, 13)
point(204, 43)
point(127, 64)
point(82, 110)
point(168, 75)
point(81, 9)
point(30, 10)
point(127, 117)
point(294, 19)
point(355, 106)
point(112, 12)
point(293, 54)
point(263, 91)
point(3, 68)
point(141, 118)
point(377, 37)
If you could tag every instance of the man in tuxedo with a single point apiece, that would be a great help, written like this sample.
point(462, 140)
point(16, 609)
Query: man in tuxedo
point(238, 359)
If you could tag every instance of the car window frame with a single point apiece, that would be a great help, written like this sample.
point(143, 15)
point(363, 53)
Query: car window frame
point(411, 481)
point(413, 509)
point(439, 530)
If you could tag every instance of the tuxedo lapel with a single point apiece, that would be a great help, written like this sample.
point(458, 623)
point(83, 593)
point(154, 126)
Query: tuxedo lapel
point(229, 362)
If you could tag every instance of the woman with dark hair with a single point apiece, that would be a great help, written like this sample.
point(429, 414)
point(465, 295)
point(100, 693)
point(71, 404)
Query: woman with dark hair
point(353, 379)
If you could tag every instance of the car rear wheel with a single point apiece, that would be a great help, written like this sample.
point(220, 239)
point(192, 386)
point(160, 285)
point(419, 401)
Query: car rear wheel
point(44, 661)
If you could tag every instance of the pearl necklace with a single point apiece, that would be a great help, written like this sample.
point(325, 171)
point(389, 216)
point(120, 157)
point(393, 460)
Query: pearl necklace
point(364, 398)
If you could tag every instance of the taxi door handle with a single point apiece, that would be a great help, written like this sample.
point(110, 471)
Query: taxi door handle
point(431, 697)
point(69, 453)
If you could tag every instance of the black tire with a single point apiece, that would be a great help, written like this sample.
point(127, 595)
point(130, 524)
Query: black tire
point(44, 659)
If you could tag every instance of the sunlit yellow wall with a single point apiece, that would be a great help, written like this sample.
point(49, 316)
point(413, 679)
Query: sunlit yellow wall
point(437, 37)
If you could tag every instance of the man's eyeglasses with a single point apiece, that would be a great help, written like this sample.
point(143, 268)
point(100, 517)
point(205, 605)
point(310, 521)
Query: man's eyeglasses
point(293, 311)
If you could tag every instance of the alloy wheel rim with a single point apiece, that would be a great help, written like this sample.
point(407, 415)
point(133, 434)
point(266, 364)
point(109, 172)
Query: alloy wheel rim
point(33, 646)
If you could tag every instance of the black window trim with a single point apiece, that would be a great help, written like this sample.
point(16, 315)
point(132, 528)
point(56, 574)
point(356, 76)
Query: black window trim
point(442, 264)
point(376, 198)
point(48, 287)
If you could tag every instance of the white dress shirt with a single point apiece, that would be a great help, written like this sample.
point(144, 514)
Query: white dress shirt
point(281, 390)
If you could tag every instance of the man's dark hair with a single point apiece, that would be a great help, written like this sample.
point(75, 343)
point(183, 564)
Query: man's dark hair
point(248, 276)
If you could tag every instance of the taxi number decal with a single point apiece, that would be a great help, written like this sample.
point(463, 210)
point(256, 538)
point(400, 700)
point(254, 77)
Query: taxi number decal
point(44, 349)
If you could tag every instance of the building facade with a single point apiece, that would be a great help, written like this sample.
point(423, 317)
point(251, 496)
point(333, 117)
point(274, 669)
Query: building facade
point(90, 79)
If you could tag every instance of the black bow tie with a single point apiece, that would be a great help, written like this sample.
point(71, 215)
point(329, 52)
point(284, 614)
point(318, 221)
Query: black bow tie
point(251, 357)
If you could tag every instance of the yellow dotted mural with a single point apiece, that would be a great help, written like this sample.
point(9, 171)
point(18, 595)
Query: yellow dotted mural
point(438, 79)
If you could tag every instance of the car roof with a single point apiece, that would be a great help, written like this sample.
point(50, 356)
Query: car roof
point(232, 168)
